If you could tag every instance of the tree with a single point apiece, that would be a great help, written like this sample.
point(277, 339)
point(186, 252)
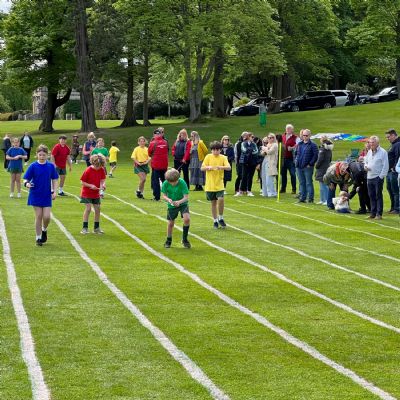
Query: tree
point(39, 51)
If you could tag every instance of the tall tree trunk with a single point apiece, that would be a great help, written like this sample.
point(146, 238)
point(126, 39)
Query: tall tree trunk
point(52, 104)
point(146, 121)
point(218, 85)
point(129, 119)
point(277, 88)
point(83, 68)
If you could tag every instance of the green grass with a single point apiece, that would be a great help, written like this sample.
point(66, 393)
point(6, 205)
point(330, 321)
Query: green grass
point(91, 347)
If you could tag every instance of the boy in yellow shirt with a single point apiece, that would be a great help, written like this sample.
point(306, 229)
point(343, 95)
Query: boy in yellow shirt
point(141, 159)
point(214, 165)
point(113, 157)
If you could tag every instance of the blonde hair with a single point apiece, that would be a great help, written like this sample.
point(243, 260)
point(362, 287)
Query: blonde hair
point(195, 135)
point(97, 160)
point(184, 132)
point(15, 140)
point(225, 137)
point(343, 193)
point(42, 147)
point(99, 140)
point(172, 175)
point(91, 136)
point(142, 138)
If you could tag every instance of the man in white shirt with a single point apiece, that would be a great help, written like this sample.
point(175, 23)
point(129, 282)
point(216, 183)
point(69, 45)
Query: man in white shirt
point(377, 166)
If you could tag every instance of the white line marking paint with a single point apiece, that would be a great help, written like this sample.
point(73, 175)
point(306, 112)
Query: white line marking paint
point(191, 367)
point(321, 222)
point(321, 237)
point(262, 320)
point(306, 255)
point(40, 391)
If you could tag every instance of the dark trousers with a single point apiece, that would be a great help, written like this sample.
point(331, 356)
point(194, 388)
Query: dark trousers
point(375, 189)
point(28, 153)
point(238, 177)
point(288, 165)
point(157, 175)
point(184, 167)
point(247, 177)
point(392, 186)
point(363, 197)
point(5, 160)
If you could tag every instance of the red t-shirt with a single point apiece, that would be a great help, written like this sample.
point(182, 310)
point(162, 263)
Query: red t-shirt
point(92, 176)
point(60, 154)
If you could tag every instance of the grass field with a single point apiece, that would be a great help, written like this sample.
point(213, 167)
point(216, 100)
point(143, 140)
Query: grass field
point(289, 302)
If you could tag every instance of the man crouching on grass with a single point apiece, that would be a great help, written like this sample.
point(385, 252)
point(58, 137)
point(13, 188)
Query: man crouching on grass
point(215, 164)
point(176, 193)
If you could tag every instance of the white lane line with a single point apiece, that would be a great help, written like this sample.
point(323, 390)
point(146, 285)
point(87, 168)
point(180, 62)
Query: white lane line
point(284, 278)
point(313, 352)
point(190, 366)
point(321, 237)
point(128, 204)
point(306, 255)
point(40, 391)
point(358, 231)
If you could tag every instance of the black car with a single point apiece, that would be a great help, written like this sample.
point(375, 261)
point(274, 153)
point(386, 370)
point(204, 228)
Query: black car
point(251, 108)
point(310, 100)
point(386, 94)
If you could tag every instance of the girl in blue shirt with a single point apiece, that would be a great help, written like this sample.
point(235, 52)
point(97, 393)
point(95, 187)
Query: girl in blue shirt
point(42, 179)
point(15, 155)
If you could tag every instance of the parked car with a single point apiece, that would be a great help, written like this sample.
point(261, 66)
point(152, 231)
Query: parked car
point(342, 97)
point(310, 100)
point(386, 94)
point(251, 108)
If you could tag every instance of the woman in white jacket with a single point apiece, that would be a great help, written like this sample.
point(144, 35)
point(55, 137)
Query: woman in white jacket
point(269, 167)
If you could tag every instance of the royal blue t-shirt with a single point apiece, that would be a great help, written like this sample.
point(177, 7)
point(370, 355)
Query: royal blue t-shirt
point(15, 165)
point(41, 176)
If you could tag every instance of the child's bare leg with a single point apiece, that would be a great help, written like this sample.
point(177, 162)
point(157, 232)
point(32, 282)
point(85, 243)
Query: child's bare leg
point(46, 216)
point(142, 180)
point(221, 204)
point(12, 185)
point(38, 221)
point(170, 227)
point(214, 209)
point(18, 182)
point(112, 169)
point(96, 212)
point(62, 181)
point(86, 212)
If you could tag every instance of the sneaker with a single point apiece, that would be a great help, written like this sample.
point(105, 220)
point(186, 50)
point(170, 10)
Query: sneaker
point(61, 194)
point(320, 202)
point(167, 244)
point(44, 237)
point(222, 223)
point(11, 195)
point(139, 195)
point(250, 194)
point(186, 244)
point(325, 203)
point(98, 231)
point(378, 217)
point(19, 195)
point(110, 175)
point(39, 242)
point(85, 231)
point(393, 212)
point(238, 194)
point(215, 225)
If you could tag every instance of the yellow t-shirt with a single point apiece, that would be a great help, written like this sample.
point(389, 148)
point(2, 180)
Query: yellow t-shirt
point(140, 154)
point(215, 178)
point(113, 154)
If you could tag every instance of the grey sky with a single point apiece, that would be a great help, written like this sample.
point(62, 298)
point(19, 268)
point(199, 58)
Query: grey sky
point(5, 5)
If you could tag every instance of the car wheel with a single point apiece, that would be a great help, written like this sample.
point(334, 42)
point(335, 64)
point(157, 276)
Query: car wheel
point(295, 108)
point(327, 105)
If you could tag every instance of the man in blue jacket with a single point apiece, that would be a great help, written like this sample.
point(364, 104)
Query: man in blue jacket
point(306, 157)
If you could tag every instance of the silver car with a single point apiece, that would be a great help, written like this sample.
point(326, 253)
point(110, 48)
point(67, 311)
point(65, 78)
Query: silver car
point(342, 97)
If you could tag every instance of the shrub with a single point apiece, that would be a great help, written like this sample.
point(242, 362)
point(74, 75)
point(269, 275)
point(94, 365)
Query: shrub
point(241, 102)
point(6, 116)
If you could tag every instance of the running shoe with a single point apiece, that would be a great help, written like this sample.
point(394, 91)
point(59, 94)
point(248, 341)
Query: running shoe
point(222, 223)
point(186, 244)
point(98, 231)
point(84, 231)
point(215, 225)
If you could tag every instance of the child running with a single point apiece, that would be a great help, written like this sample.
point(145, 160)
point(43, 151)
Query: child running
point(113, 157)
point(42, 179)
point(92, 180)
point(215, 164)
point(14, 156)
point(141, 159)
point(176, 193)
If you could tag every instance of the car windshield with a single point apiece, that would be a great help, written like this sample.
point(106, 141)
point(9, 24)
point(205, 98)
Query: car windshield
point(385, 91)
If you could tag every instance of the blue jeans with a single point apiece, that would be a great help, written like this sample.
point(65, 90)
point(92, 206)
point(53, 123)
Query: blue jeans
point(375, 189)
point(288, 165)
point(323, 192)
point(306, 188)
point(393, 189)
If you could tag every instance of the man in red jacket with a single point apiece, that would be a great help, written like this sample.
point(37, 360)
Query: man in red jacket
point(158, 151)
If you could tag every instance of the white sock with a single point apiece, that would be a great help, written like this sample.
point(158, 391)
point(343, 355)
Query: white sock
point(220, 217)
point(44, 229)
point(215, 219)
point(38, 237)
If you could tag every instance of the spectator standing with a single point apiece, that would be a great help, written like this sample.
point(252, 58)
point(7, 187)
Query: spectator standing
point(198, 150)
point(60, 157)
point(181, 153)
point(5, 146)
point(228, 151)
point(238, 150)
point(26, 142)
point(306, 157)
point(248, 162)
point(269, 167)
point(376, 164)
point(321, 166)
point(289, 140)
point(158, 152)
point(392, 176)
point(88, 147)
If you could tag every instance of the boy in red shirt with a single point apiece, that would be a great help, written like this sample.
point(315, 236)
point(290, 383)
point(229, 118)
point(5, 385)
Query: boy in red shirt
point(92, 180)
point(60, 156)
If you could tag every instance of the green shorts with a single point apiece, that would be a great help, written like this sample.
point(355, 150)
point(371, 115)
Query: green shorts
point(214, 195)
point(172, 213)
point(61, 171)
point(87, 200)
point(142, 168)
point(15, 170)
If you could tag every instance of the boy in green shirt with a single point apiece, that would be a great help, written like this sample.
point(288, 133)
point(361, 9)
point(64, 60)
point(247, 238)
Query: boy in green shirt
point(176, 193)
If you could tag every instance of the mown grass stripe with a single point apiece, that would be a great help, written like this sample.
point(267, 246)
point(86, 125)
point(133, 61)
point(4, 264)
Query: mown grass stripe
point(262, 320)
point(316, 235)
point(190, 366)
point(40, 391)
